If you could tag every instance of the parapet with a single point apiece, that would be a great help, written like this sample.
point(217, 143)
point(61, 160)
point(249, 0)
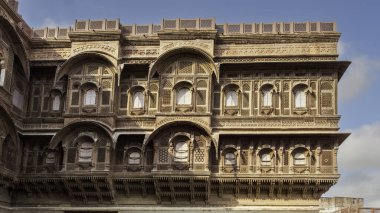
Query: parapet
point(187, 24)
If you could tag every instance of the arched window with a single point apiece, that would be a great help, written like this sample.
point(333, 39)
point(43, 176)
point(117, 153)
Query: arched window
point(266, 159)
point(85, 152)
point(138, 100)
point(299, 158)
point(267, 97)
point(90, 97)
point(181, 152)
point(134, 158)
point(299, 98)
point(56, 103)
point(230, 159)
point(231, 98)
point(184, 96)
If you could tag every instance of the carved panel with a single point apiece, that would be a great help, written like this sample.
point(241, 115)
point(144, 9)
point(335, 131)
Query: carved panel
point(205, 45)
point(50, 54)
point(110, 47)
point(225, 50)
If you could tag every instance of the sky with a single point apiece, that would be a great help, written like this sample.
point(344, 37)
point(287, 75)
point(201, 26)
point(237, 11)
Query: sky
point(358, 95)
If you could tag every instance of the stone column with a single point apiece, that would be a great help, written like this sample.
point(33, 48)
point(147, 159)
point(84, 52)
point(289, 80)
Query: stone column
point(155, 155)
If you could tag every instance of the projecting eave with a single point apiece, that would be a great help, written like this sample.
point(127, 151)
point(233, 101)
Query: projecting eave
point(340, 136)
point(277, 38)
point(339, 66)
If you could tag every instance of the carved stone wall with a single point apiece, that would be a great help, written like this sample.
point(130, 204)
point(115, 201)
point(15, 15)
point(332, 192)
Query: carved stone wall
point(183, 113)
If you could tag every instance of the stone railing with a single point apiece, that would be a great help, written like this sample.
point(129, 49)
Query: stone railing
point(79, 26)
point(51, 33)
point(277, 28)
point(187, 24)
point(97, 25)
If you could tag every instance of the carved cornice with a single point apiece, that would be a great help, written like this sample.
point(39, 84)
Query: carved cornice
point(277, 38)
point(95, 35)
point(187, 34)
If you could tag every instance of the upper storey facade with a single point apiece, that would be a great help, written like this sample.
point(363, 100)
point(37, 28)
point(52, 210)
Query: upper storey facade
point(255, 75)
point(247, 111)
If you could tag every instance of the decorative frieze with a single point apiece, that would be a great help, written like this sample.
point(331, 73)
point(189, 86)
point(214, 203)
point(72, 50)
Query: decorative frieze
point(293, 49)
point(50, 54)
point(110, 47)
point(276, 122)
point(140, 52)
point(205, 45)
point(202, 121)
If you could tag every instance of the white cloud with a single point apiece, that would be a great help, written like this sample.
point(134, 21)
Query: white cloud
point(358, 160)
point(51, 23)
point(342, 48)
point(359, 76)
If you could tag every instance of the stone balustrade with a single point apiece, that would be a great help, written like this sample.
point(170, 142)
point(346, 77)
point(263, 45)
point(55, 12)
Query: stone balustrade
point(186, 24)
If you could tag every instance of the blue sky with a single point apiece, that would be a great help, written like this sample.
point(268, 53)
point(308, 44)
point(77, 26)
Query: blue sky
point(358, 21)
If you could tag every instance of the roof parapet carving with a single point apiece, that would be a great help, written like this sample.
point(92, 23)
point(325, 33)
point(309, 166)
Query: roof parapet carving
point(186, 24)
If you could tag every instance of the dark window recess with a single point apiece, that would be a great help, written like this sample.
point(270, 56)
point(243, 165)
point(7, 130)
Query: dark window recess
point(101, 155)
point(36, 104)
point(75, 98)
point(153, 100)
point(123, 100)
point(106, 97)
point(217, 100)
point(46, 103)
point(300, 74)
point(245, 100)
point(201, 97)
point(40, 160)
point(71, 154)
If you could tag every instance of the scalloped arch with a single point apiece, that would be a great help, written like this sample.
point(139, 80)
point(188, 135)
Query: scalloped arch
point(64, 68)
point(183, 50)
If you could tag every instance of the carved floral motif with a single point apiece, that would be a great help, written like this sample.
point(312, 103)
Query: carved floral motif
point(108, 47)
point(206, 45)
point(276, 49)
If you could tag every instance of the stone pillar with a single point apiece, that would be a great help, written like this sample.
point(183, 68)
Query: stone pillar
point(107, 157)
point(155, 155)
point(318, 159)
point(206, 155)
point(2, 72)
point(335, 157)
point(280, 154)
point(65, 149)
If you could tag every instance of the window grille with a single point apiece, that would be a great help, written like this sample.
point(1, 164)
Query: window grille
point(231, 98)
point(184, 96)
point(299, 158)
point(266, 159)
point(181, 152)
point(267, 97)
point(300, 98)
point(90, 97)
point(138, 100)
point(134, 158)
point(229, 159)
point(85, 152)
point(56, 103)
